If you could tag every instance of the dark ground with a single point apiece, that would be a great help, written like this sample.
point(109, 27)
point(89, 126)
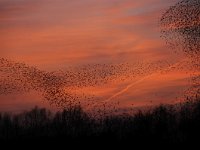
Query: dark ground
point(167, 125)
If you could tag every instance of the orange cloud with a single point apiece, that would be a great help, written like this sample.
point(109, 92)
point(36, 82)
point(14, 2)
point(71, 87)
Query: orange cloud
point(55, 34)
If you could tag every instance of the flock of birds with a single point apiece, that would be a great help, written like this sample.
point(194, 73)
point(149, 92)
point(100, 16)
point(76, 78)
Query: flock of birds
point(62, 88)
point(180, 26)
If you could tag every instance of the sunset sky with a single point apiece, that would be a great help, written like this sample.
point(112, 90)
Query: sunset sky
point(54, 35)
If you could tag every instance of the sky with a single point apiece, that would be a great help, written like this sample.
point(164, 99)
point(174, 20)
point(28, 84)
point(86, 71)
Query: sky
point(55, 35)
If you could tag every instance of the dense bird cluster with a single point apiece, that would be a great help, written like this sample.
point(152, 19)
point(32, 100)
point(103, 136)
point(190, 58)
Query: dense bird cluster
point(180, 26)
point(62, 88)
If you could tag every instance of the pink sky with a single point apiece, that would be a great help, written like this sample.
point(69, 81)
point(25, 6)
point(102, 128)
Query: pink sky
point(54, 35)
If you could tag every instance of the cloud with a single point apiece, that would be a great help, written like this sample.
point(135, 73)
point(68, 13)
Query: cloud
point(54, 35)
point(86, 28)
